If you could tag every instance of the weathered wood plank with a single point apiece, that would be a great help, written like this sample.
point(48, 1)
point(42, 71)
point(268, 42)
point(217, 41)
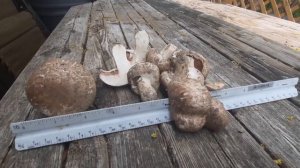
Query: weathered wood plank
point(88, 153)
point(14, 26)
point(266, 26)
point(265, 45)
point(186, 149)
point(91, 152)
point(234, 76)
point(256, 62)
point(129, 148)
point(15, 107)
point(51, 156)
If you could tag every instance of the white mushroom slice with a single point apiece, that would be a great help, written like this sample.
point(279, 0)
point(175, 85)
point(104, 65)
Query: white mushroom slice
point(125, 59)
point(141, 46)
point(118, 76)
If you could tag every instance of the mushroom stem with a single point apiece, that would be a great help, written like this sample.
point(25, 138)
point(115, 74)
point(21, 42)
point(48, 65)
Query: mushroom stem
point(146, 90)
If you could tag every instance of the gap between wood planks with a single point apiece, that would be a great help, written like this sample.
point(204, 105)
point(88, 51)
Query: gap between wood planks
point(57, 48)
point(171, 153)
point(282, 70)
point(150, 19)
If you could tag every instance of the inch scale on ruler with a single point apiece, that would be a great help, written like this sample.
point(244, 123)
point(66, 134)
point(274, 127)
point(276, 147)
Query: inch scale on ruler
point(65, 128)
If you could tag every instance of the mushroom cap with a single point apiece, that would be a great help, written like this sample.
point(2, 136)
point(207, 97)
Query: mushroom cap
point(218, 118)
point(189, 97)
point(60, 87)
point(199, 62)
point(145, 70)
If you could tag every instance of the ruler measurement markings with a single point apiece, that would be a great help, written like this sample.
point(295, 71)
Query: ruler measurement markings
point(59, 129)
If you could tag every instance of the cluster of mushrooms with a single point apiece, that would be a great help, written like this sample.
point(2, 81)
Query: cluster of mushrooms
point(181, 73)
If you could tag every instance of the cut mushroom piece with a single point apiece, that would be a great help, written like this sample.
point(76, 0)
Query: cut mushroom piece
point(118, 76)
point(214, 86)
point(144, 80)
point(125, 59)
point(200, 62)
point(141, 46)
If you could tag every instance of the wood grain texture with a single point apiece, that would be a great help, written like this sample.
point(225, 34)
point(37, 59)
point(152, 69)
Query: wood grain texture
point(133, 148)
point(91, 152)
point(261, 43)
point(14, 26)
point(256, 62)
point(181, 151)
point(266, 26)
point(15, 107)
point(233, 75)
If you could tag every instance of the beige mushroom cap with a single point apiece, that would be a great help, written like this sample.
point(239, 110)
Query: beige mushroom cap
point(60, 87)
point(190, 103)
point(144, 80)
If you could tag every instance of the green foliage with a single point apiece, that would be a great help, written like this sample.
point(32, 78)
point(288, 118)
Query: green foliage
point(297, 13)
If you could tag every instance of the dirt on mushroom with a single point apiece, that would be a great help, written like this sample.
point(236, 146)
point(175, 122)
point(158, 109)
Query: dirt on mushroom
point(60, 87)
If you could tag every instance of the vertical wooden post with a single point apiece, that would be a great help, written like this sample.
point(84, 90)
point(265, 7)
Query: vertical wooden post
point(262, 6)
point(275, 8)
point(252, 5)
point(235, 3)
point(288, 10)
point(243, 4)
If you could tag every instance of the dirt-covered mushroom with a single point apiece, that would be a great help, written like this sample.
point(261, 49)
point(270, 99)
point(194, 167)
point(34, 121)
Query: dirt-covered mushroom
point(144, 80)
point(162, 59)
point(218, 117)
point(60, 87)
point(191, 104)
point(125, 59)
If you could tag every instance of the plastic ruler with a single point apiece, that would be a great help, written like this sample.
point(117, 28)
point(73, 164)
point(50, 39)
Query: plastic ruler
point(65, 128)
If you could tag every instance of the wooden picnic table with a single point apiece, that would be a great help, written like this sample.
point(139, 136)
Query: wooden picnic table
point(257, 136)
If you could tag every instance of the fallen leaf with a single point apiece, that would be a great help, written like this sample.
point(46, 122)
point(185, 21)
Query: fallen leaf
point(263, 146)
point(291, 118)
point(279, 162)
point(154, 135)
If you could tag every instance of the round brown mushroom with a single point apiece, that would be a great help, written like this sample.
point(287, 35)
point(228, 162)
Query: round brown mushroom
point(144, 80)
point(60, 87)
